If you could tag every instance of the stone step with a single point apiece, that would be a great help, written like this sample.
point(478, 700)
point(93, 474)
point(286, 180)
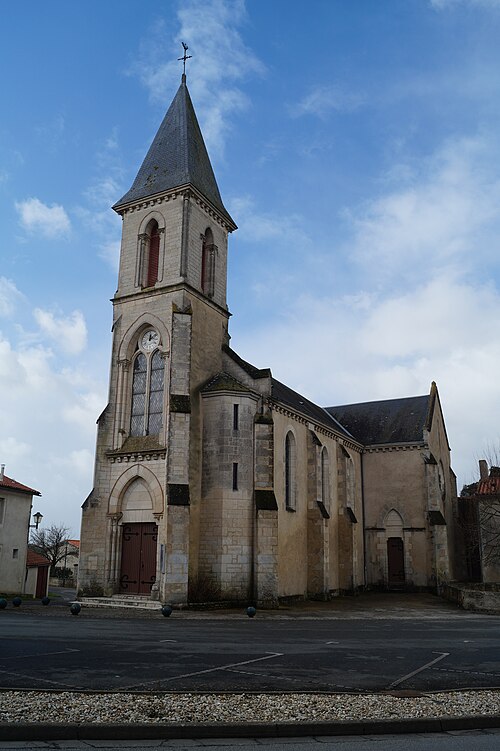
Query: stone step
point(117, 601)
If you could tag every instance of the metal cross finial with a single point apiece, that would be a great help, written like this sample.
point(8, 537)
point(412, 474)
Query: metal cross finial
point(185, 57)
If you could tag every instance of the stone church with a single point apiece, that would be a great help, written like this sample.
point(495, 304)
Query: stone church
point(213, 480)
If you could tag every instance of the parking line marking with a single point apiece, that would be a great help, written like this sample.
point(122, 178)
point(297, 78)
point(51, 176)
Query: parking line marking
point(442, 655)
point(269, 656)
point(40, 654)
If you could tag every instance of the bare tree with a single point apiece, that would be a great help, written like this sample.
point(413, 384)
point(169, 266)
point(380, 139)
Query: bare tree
point(52, 543)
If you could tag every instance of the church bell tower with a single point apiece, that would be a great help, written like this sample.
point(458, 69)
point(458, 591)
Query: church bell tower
point(140, 522)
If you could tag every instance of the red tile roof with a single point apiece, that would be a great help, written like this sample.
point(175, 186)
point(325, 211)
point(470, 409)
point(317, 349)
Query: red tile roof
point(8, 482)
point(75, 543)
point(35, 559)
point(489, 486)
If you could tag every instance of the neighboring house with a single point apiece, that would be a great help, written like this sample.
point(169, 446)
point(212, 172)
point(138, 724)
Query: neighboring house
point(481, 514)
point(37, 574)
point(212, 478)
point(67, 568)
point(15, 514)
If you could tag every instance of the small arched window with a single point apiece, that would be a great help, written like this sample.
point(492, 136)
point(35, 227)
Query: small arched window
point(349, 479)
point(153, 254)
point(208, 263)
point(290, 472)
point(147, 388)
point(325, 476)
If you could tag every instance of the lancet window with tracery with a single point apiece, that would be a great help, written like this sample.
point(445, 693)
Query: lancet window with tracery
point(148, 377)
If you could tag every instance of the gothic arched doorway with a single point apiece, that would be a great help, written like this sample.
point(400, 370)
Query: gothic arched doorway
point(139, 538)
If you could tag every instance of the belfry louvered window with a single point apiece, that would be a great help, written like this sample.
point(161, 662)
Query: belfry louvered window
point(153, 256)
point(147, 394)
point(208, 253)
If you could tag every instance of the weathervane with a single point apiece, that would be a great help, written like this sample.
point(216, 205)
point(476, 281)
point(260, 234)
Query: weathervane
point(185, 57)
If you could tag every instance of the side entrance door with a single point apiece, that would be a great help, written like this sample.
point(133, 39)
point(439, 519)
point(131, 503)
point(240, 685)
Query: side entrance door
point(138, 568)
point(41, 581)
point(395, 562)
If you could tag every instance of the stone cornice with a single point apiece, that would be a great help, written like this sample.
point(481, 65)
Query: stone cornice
point(136, 456)
point(312, 425)
point(182, 191)
point(383, 448)
point(167, 288)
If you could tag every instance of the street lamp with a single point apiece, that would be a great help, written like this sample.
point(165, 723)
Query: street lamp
point(65, 557)
point(37, 518)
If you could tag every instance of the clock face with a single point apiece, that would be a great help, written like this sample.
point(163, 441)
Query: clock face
point(150, 340)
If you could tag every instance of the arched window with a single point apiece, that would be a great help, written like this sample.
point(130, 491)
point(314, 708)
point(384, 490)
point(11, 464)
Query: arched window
point(153, 254)
point(147, 387)
point(325, 476)
point(208, 263)
point(138, 395)
point(290, 472)
point(349, 479)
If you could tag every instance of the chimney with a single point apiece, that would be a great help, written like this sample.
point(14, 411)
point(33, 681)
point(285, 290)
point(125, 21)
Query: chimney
point(2, 472)
point(483, 469)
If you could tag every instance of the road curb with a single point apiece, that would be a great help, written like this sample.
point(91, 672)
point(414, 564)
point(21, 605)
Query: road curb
point(157, 731)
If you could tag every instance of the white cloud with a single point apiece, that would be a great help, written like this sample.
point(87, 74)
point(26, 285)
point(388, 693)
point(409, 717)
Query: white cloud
point(220, 59)
point(9, 296)
point(325, 98)
point(47, 441)
point(110, 252)
point(257, 226)
point(445, 215)
point(69, 333)
point(36, 216)
point(84, 411)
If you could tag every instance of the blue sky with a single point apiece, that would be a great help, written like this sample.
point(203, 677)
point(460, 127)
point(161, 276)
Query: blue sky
point(356, 145)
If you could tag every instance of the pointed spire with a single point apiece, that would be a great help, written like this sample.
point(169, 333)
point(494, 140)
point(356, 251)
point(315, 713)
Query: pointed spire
point(177, 157)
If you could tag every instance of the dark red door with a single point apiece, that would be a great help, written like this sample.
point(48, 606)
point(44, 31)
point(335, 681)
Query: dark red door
point(41, 581)
point(395, 562)
point(138, 569)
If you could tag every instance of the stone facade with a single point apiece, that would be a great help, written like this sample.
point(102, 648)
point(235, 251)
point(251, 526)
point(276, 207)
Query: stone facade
point(212, 479)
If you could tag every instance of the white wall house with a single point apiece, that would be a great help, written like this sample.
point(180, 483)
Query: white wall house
point(15, 512)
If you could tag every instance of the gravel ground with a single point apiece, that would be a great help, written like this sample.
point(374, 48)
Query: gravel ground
point(71, 707)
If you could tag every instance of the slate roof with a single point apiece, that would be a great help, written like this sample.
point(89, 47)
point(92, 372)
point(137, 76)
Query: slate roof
point(224, 382)
point(177, 156)
point(291, 398)
point(250, 369)
point(8, 482)
point(385, 422)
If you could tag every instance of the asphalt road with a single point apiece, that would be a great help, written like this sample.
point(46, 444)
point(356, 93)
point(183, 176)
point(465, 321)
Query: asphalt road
point(486, 740)
point(240, 654)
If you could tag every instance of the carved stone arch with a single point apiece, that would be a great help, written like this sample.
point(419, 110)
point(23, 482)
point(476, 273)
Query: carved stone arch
point(386, 510)
point(152, 216)
point(123, 482)
point(150, 256)
point(132, 334)
point(393, 519)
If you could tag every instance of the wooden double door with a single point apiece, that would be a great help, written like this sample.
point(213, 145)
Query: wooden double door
point(138, 565)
